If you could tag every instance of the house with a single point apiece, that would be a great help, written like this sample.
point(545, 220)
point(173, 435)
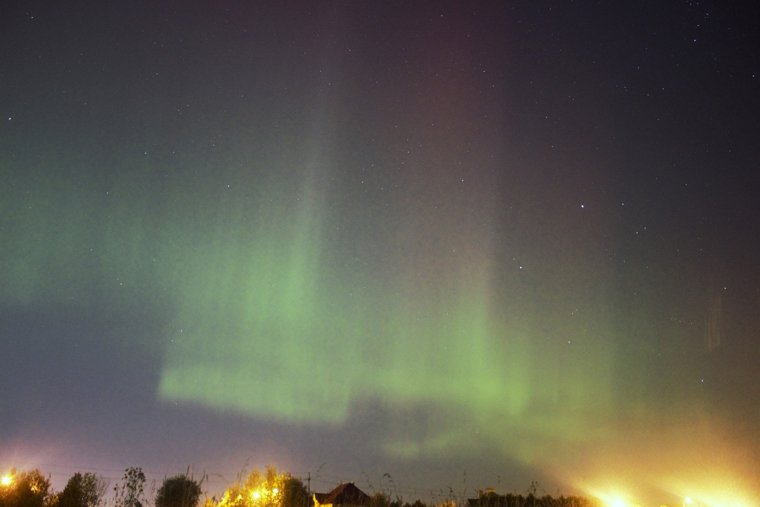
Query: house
point(345, 495)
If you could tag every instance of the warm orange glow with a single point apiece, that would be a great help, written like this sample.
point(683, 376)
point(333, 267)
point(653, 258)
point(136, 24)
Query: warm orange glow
point(722, 490)
point(6, 480)
point(263, 493)
point(611, 497)
point(258, 490)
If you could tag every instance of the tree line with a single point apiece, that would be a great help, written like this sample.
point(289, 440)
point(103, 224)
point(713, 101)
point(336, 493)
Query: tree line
point(267, 489)
point(491, 499)
point(33, 489)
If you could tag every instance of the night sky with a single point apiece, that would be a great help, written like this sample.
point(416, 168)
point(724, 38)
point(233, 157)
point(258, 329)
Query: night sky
point(422, 246)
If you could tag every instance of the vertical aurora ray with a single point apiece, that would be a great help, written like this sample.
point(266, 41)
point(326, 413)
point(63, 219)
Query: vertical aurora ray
point(252, 311)
point(69, 242)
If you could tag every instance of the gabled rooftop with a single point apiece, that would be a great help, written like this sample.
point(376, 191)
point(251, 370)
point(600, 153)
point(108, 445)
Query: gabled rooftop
point(344, 494)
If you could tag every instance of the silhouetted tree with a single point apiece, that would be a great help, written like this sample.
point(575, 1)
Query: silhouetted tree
point(130, 493)
point(82, 490)
point(294, 493)
point(379, 499)
point(27, 489)
point(178, 491)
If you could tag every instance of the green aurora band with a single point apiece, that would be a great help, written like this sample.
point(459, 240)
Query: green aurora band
point(272, 316)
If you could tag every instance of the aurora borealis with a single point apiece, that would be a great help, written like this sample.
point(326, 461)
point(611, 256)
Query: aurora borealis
point(513, 239)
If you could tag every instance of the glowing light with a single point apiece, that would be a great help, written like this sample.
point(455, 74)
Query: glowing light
point(264, 494)
point(721, 491)
point(6, 480)
point(613, 498)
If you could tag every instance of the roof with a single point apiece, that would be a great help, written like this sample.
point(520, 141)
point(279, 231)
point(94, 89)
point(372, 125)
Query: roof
point(345, 494)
